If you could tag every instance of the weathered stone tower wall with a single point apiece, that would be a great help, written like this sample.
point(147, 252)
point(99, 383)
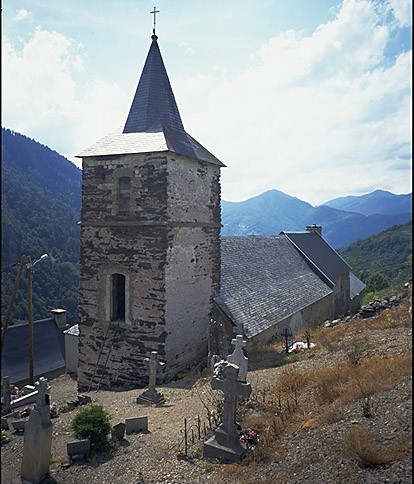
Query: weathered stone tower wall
point(150, 264)
point(193, 258)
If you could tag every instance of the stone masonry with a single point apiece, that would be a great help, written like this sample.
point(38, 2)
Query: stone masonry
point(167, 247)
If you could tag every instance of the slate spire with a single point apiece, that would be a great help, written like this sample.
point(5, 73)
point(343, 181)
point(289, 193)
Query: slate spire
point(154, 122)
point(154, 106)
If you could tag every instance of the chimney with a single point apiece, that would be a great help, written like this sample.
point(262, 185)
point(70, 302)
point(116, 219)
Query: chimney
point(59, 315)
point(314, 228)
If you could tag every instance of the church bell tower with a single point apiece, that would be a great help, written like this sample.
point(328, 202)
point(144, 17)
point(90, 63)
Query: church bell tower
point(150, 242)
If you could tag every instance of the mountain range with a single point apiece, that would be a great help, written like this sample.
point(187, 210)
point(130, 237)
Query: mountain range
point(378, 201)
point(41, 202)
point(274, 211)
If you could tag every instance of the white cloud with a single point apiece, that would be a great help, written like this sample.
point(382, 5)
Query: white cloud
point(42, 100)
point(312, 115)
point(402, 11)
point(22, 14)
point(316, 116)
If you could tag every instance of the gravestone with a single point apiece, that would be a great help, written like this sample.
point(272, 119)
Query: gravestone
point(24, 400)
point(119, 430)
point(151, 395)
point(84, 399)
point(19, 425)
point(28, 389)
point(38, 437)
point(137, 424)
point(225, 444)
point(78, 448)
point(7, 392)
point(238, 358)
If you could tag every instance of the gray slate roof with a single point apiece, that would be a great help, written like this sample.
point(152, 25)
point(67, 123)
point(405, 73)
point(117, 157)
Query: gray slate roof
point(320, 254)
point(154, 123)
point(48, 350)
point(154, 101)
point(258, 289)
point(355, 285)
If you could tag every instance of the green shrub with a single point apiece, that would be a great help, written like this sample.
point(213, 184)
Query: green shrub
point(92, 423)
point(376, 281)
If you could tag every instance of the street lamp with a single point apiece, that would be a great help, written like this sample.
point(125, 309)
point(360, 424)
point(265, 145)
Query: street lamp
point(29, 267)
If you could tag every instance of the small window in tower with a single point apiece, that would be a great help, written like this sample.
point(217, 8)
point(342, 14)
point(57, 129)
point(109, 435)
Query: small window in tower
point(118, 297)
point(124, 194)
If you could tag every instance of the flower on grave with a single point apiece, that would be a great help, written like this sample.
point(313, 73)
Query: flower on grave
point(249, 437)
point(219, 368)
point(298, 347)
point(26, 411)
point(54, 410)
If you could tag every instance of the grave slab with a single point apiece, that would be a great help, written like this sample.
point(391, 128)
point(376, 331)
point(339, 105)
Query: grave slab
point(137, 424)
point(28, 389)
point(19, 425)
point(78, 449)
point(119, 430)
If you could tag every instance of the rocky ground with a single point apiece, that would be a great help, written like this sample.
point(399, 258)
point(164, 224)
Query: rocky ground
point(311, 450)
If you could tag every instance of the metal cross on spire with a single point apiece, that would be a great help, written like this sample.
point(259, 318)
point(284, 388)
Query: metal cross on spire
point(154, 12)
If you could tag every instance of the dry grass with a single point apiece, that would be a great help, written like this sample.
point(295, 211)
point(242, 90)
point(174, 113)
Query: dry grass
point(361, 448)
point(396, 317)
point(323, 393)
point(268, 356)
point(344, 336)
point(346, 382)
point(320, 395)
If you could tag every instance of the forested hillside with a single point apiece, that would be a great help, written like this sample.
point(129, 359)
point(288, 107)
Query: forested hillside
point(383, 259)
point(40, 214)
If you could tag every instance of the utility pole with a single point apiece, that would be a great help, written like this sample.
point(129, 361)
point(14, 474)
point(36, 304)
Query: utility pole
point(9, 310)
point(29, 266)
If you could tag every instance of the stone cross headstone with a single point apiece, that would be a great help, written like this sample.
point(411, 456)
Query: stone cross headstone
point(38, 437)
point(7, 392)
point(151, 395)
point(238, 358)
point(153, 366)
point(225, 444)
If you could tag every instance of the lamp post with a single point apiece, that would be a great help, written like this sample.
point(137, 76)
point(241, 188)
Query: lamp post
point(29, 267)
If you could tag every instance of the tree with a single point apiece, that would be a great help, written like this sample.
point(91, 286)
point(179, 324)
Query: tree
point(376, 281)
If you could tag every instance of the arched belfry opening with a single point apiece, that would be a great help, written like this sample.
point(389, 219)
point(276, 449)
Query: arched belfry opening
point(150, 241)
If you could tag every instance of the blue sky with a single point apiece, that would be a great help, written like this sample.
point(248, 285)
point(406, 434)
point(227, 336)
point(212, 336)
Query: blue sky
point(309, 97)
